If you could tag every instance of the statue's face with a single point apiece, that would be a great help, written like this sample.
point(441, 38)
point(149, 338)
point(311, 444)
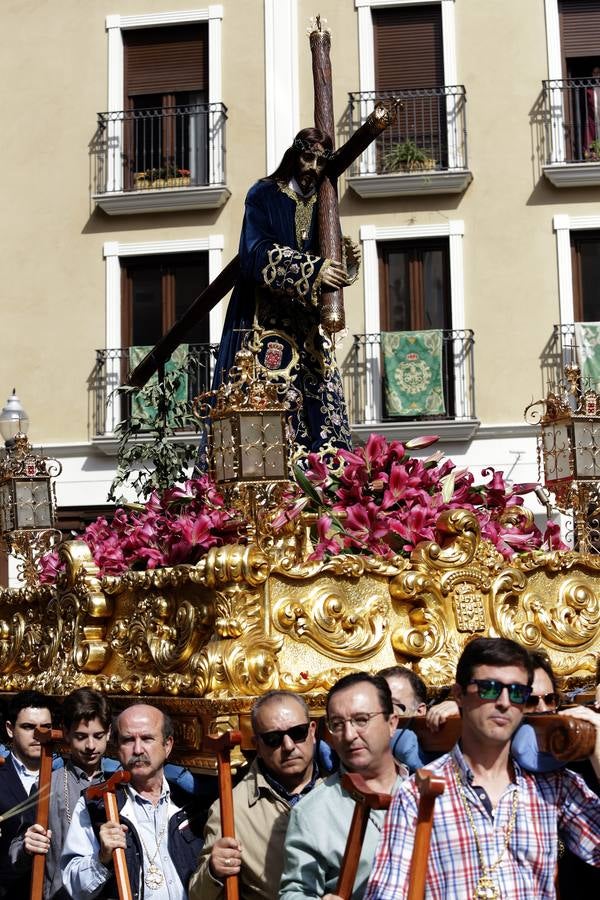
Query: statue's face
point(309, 167)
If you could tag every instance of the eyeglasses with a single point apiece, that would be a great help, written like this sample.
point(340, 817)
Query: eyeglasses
point(359, 722)
point(274, 739)
point(400, 707)
point(490, 689)
point(533, 701)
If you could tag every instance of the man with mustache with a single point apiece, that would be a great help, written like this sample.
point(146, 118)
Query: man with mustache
point(277, 296)
point(160, 844)
point(86, 727)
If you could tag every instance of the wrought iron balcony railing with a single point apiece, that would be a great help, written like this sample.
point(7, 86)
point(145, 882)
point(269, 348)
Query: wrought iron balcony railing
point(572, 116)
point(363, 379)
point(114, 366)
point(159, 148)
point(562, 350)
point(428, 133)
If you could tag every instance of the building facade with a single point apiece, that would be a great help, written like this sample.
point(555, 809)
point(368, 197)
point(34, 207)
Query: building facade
point(134, 129)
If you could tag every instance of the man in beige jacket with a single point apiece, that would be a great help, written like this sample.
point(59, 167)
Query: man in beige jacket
point(282, 773)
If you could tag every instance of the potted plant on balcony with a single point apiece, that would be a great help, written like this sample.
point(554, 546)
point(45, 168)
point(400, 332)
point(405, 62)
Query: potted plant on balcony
point(164, 176)
point(592, 152)
point(406, 156)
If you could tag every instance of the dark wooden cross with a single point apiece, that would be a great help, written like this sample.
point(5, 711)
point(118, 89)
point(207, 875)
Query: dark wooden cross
point(332, 306)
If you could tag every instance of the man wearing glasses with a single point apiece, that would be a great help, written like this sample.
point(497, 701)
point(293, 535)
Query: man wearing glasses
point(495, 827)
point(360, 721)
point(283, 772)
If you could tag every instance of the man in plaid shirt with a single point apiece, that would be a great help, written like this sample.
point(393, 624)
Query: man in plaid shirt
point(495, 827)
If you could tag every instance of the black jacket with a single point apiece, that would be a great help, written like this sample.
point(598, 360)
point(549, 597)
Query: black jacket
point(184, 844)
point(13, 883)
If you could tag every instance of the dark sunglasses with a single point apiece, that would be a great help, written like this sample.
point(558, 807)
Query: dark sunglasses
point(490, 689)
point(533, 700)
point(274, 739)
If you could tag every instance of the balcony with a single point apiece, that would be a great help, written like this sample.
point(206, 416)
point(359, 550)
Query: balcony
point(572, 121)
point(112, 369)
point(362, 374)
point(160, 159)
point(423, 151)
point(564, 349)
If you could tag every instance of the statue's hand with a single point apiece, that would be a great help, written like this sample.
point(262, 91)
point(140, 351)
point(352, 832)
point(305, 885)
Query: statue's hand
point(351, 258)
point(334, 275)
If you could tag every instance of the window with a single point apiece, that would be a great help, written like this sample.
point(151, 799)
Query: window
point(585, 256)
point(409, 60)
point(165, 102)
point(415, 296)
point(580, 57)
point(155, 294)
point(408, 47)
point(414, 288)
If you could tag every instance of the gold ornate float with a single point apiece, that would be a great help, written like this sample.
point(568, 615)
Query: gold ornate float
point(205, 640)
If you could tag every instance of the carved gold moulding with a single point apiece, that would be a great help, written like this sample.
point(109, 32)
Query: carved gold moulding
point(203, 641)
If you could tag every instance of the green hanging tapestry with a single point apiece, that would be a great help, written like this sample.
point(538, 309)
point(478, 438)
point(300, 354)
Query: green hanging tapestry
point(177, 362)
point(413, 382)
point(587, 340)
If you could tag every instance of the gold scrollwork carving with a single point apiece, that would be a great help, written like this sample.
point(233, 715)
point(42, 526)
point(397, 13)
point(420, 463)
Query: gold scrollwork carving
point(248, 666)
point(234, 563)
point(303, 683)
point(567, 618)
point(162, 632)
point(331, 625)
point(237, 610)
point(459, 535)
point(420, 604)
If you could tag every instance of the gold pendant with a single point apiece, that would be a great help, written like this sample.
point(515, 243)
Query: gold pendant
point(154, 877)
point(486, 889)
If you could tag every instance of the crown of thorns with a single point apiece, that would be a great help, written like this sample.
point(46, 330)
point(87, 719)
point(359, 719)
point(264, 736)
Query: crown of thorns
point(303, 146)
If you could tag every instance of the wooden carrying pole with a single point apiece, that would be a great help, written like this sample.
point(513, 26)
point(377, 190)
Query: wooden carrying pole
point(106, 790)
point(47, 738)
point(365, 800)
point(567, 738)
point(430, 786)
point(221, 745)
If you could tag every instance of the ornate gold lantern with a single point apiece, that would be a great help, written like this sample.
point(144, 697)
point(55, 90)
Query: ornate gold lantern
point(570, 455)
point(27, 502)
point(248, 452)
point(248, 443)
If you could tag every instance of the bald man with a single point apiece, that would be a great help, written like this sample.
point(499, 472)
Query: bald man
point(161, 846)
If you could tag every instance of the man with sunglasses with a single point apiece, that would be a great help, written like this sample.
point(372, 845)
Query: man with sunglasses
point(360, 720)
point(495, 827)
point(283, 772)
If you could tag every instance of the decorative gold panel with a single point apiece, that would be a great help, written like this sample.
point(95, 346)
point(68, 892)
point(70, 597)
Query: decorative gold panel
point(205, 640)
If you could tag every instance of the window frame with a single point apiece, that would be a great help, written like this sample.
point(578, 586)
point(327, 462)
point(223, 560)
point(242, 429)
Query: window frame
point(370, 236)
point(564, 225)
point(417, 309)
point(116, 24)
point(113, 252)
point(366, 63)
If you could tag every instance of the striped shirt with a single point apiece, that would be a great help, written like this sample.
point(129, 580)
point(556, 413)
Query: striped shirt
point(557, 801)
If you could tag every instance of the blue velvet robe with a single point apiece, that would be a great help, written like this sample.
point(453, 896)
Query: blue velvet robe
point(276, 297)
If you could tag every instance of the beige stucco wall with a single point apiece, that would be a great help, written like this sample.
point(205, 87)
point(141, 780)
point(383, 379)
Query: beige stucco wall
point(53, 72)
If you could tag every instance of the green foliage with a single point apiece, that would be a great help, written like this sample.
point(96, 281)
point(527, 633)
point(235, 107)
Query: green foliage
point(593, 151)
point(150, 458)
point(406, 156)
